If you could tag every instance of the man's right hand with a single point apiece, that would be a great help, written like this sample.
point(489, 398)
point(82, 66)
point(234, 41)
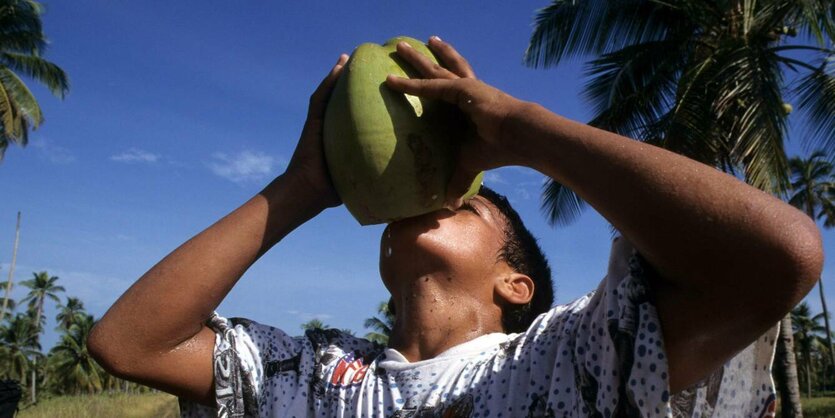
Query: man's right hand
point(308, 165)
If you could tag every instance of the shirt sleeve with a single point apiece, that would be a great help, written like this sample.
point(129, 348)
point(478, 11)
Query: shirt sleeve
point(245, 353)
point(259, 370)
point(607, 356)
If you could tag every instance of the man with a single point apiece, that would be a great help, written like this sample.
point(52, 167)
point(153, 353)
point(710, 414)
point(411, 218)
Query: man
point(707, 259)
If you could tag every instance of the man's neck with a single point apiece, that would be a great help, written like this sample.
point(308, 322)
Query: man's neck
point(431, 318)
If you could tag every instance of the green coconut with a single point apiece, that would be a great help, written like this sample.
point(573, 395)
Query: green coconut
point(390, 155)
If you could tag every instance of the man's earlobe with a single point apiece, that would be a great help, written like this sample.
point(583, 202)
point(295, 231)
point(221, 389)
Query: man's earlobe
point(516, 288)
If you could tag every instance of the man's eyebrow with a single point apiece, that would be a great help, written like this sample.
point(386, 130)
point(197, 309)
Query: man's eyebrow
point(482, 204)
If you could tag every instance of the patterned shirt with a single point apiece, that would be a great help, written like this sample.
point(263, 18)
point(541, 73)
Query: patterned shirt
point(601, 355)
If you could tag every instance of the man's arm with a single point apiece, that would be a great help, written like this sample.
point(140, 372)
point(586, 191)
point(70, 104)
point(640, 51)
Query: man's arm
point(733, 260)
point(155, 333)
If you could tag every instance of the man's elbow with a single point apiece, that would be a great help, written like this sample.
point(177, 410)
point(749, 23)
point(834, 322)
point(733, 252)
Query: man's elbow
point(804, 261)
point(105, 350)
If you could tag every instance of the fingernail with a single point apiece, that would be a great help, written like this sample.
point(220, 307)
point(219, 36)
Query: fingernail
point(435, 37)
point(405, 44)
point(454, 203)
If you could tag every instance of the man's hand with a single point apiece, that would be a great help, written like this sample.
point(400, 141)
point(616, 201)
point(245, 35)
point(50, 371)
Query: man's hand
point(488, 108)
point(308, 163)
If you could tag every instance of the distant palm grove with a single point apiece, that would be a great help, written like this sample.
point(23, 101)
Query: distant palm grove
point(64, 369)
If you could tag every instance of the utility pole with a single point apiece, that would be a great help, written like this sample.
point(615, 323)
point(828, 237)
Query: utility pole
point(11, 270)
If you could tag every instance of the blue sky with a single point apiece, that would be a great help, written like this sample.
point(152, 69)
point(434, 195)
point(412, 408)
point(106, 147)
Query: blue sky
point(180, 111)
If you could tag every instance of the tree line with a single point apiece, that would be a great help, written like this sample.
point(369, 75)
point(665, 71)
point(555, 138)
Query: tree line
point(66, 368)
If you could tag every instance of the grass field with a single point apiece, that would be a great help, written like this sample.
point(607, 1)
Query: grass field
point(118, 405)
point(816, 407)
point(165, 406)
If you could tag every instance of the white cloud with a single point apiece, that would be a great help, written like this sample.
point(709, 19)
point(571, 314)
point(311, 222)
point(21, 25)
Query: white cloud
point(244, 166)
point(523, 193)
point(53, 153)
point(492, 177)
point(136, 155)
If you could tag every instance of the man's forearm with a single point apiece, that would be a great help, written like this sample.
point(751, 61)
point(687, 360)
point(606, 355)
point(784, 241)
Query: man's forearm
point(692, 222)
point(182, 290)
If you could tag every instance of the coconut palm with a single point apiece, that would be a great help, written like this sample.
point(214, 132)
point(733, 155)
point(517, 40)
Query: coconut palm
point(813, 191)
point(807, 330)
point(70, 313)
point(18, 345)
point(41, 287)
point(22, 43)
point(381, 325)
point(704, 79)
point(73, 369)
point(314, 323)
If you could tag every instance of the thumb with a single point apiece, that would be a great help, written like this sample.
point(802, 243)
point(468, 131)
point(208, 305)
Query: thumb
point(460, 183)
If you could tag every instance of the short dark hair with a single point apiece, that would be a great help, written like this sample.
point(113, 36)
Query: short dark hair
point(522, 253)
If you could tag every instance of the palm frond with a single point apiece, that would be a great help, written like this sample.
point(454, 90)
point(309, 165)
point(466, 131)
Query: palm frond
point(571, 28)
point(560, 204)
point(815, 19)
point(816, 94)
point(51, 75)
point(749, 106)
point(20, 26)
point(22, 97)
point(634, 87)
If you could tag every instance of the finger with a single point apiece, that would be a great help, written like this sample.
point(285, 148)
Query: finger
point(450, 58)
point(450, 91)
point(319, 98)
point(426, 67)
point(459, 185)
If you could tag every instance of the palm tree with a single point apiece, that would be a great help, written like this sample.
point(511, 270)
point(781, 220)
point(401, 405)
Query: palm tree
point(806, 328)
point(813, 188)
point(703, 79)
point(21, 44)
point(41, 287)
point(314, 323)
point(70, 313)
point(73, 368)
point(381, 325)
point(18, 344)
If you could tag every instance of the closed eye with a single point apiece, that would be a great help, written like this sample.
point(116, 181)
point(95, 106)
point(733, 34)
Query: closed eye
point(468, 207)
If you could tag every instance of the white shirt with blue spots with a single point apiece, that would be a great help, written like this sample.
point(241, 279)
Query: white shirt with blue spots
point(601, 355)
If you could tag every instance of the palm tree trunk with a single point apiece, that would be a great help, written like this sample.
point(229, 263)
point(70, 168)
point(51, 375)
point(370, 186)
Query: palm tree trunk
point(810, 210)
point(34, 379)
point(808, 378)
point(35, 361)
point(829, 345)
point(11, 270)
point(785, 370)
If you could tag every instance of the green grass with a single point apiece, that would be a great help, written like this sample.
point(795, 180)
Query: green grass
point(117, 405)
point(816, 407)
point(165, 406)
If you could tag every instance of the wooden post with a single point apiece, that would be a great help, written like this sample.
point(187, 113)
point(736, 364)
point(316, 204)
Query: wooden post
point(11, 270)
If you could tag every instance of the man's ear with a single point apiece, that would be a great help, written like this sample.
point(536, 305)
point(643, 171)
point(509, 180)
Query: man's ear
point(515, 288)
